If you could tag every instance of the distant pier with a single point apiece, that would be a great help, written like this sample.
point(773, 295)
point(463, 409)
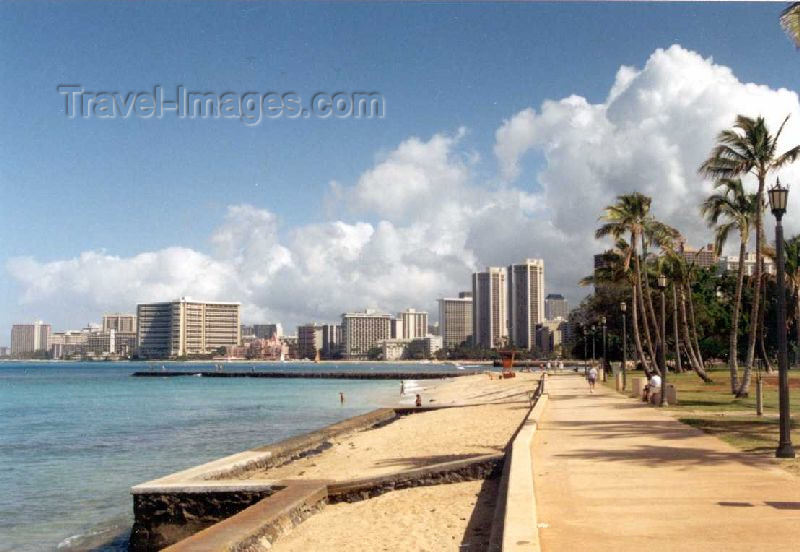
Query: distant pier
point(308, 375)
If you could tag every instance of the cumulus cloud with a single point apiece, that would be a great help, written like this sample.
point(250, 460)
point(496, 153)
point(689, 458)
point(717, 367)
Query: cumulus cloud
point(414, 226)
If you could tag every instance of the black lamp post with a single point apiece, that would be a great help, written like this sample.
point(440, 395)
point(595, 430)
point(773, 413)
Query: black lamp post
point(623, 307)
point(605, 362)
point(778, 196)
point(594, 343)
point(662, 351)
point(585, 354)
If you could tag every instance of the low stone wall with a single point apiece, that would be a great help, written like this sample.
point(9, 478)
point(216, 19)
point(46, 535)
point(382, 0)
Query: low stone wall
point(479, 467)
point(162, 519)
point(178, 505)
point(256, 528)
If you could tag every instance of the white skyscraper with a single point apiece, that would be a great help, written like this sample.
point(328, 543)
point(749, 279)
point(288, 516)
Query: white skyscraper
point(489, 319)
point(525, 302)
point(414, 324)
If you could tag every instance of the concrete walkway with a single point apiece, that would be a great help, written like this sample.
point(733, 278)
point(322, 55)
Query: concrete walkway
point(614, 474)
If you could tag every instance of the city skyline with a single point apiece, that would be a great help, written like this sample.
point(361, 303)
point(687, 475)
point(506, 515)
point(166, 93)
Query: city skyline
point(385, 211)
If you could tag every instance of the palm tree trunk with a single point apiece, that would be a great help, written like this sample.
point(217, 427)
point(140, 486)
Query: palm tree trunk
point(687, 341)
point(678, 365)
point(762, 348)
point(693, 323)
point(637, 338)
point(640, 297)
point(733, 353)
point(691, 327)
point(744, 387)
point(651, 312)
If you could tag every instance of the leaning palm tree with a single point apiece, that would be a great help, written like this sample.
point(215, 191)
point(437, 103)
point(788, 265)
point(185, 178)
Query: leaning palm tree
point(731, 208)
point(680, 272)
point(629, 216)
point(790, 21)
point(749, 148)
point(616, 270)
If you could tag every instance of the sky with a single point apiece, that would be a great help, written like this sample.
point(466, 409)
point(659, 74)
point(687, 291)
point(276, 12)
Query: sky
point(507, 128)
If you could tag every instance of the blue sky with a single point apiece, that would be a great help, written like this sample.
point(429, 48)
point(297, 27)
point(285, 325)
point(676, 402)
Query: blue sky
point(129, 186)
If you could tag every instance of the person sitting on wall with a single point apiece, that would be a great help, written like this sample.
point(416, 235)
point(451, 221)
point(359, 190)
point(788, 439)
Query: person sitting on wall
point(652, 387)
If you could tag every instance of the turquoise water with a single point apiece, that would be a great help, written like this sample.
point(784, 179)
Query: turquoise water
point(74, 437)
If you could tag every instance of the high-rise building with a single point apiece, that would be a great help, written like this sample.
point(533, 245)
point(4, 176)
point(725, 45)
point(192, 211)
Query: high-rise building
point(525, 302)
point(396, 328)
point(267, 331)
point(30, 338)
point(704, 258)
point(414, 324)
point(124, 326)
point(120, 323)
point(309, 340)
point(331, 340)
point(555, 306)
point(549, 336)
point(186, 328)
point(69, 343)
point(489, 316)
point(361, 331)
point(455, 320)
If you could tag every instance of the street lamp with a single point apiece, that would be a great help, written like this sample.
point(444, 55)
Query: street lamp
point(594, 342)
point(605, 363)
point(662, 352)
point(623, 307)
point(778, 196)
point(585, 354)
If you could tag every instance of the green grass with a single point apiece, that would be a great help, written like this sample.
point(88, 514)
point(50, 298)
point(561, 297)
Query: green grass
point(713, 409)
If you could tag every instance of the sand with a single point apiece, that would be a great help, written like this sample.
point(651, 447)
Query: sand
point(443, 518)
point(453, 517)
point(426, 438)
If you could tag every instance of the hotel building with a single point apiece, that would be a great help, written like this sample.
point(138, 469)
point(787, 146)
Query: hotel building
point(455, 320)
point(489, 316)
point(413, 324)
point(30, 338)
point(555, 306)
point(186, 328)
point(361, 331)
point(309, 340)
point(525, 302)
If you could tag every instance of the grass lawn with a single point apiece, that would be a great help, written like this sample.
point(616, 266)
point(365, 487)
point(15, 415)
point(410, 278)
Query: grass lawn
point(711, 408)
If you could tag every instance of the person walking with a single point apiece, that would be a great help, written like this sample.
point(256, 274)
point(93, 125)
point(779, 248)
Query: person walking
point(591, 377)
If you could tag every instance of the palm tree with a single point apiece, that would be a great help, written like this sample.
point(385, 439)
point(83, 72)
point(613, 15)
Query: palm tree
point(629, 215)
point(790, 21)
point(749, 148)
point(674, 266)
point(730, 208)
point(616, 270)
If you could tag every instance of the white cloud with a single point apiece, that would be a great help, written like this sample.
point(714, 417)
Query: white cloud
point(414, 225)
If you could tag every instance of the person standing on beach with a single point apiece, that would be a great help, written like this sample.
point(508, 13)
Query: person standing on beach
point(591, 377)
point(402, 387)
point(419, 400)
point(341, 398)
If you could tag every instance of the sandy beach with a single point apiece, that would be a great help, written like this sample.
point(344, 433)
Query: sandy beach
point(445, 517)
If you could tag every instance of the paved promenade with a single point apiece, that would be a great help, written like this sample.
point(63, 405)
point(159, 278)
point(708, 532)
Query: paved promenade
point(614, 474)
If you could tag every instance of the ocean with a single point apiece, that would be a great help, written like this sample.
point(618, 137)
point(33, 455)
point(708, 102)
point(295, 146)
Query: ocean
point(74, 437)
